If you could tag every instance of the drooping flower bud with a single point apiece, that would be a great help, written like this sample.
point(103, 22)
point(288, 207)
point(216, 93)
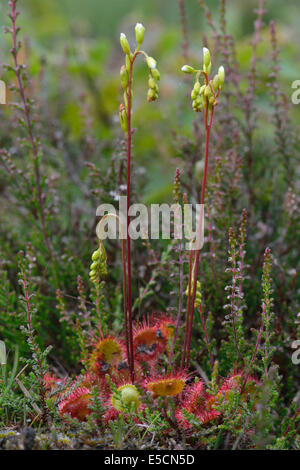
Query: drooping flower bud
point(139, 33)
point(151, 83)
point(187, 69)
point(221, 75)
point(125, 44)
point(155, 74)
point(151, 63)
point(124, 77)
point(197, 87)
point(152, 95)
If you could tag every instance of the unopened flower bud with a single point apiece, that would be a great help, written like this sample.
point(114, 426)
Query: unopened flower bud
point(151, 63)
point(216, 82)
point(207, 91)
point(194, 94)
point(155, 74)
point(221, 75)
point(207, 68)
point(151, 83)
point(197, 87)
point(187, 69)
point(206, 57)
point(139, 33)
point(152, 95)
point(123, 118)
point(96, 255)
point(127, 63)
point(124, 77)
point(125, 44)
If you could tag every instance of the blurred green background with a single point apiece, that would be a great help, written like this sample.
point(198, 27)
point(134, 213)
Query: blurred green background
point(89, 30)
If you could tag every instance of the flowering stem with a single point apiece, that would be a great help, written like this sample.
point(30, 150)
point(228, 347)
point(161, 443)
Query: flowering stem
point(190, 315)
point(128, 318)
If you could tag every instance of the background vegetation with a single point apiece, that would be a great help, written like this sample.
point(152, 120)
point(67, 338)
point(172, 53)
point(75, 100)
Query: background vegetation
point(73, 57)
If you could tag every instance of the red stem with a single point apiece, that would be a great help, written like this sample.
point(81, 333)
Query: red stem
point(208, 125)
point(129, 303)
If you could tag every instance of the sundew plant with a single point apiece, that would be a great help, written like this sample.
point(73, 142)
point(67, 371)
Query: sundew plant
point(126, 340)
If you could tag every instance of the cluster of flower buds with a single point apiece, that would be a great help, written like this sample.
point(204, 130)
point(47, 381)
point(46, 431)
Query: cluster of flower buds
point(126, 71)
point(154, 77)
point(98, 268)
point(208, 92)
point(198, 297)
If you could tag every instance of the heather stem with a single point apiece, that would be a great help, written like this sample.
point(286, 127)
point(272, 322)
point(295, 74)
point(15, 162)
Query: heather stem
point(32, 139)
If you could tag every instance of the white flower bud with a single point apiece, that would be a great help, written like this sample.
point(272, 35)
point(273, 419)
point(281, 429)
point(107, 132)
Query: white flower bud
point(206, 57)
point(151, 62)
point(139, 33)
point(187, 69)
point(221, 75)
point(125, 44)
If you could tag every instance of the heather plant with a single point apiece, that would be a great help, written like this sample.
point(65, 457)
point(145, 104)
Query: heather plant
point(145, 343)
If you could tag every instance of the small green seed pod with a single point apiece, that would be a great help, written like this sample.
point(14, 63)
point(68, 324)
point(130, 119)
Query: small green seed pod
point(125, 44)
